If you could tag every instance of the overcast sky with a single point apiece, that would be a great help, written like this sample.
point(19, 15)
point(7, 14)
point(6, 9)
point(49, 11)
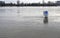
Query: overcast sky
point(27, 1)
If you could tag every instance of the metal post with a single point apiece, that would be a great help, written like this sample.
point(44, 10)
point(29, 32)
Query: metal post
point(43, 2)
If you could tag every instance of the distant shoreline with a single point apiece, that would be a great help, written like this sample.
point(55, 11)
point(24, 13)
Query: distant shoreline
point(27, 6)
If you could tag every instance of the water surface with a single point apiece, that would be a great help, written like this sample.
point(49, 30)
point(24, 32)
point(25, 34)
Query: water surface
point(28, 22)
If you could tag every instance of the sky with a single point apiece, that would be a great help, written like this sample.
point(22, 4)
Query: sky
point(27, 1)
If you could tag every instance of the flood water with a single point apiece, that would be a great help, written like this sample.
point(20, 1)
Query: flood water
point(29, 22)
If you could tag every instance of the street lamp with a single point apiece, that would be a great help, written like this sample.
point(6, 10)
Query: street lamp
point(18, 2)
point(43, 1)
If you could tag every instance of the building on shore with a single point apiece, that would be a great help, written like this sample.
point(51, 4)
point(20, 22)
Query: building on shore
point(58, 3)
point(2, 3)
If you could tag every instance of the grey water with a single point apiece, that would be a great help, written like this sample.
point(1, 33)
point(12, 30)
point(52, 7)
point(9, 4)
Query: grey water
point(29, 22)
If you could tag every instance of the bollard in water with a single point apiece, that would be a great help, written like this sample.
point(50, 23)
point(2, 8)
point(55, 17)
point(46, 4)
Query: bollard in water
point(45, 13)
point(45, 17)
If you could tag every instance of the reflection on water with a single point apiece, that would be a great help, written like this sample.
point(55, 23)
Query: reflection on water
point(18, 11)
point(45, 20)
